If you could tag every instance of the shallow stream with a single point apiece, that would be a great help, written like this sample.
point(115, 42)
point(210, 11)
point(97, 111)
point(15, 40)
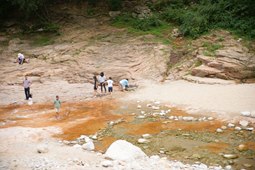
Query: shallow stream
point(173, 133)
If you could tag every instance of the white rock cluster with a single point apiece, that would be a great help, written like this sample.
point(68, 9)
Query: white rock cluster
point(248, 114)
point(124, 155)
point(83, 142)
point(243, 125)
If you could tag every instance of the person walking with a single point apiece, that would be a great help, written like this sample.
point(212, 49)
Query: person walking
point(57, 104)
point(101, 80)
point(26, 84)
point(110, 85)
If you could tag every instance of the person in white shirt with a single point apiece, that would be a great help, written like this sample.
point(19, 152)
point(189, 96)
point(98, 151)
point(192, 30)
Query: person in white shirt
point(21, 58)
point(101, 80)
point(110, 85)
point(26, 85)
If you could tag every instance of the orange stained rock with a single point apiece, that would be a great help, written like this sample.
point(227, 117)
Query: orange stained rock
point(76, 118)
point(103, 144)
point(142, 128)
point(216, 147)
point(157, 127)
point(209, 126)
point(250, 145)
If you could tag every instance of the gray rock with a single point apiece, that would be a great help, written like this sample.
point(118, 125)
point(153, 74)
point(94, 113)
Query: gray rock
point(210, 118)
point(146, 136)
point(242, 147)
point(245, 113)
point(176, 33)
point(94, 137)
point(196, 156)
point(247, 165)
point(188, 118)
point(107, 163)
point(230, 156)
point(244, 123)
point(139, 106)
point(228, 167)
point(42, 148)
point(231, 125)
point(253, 114)
point(249, 128)
point(238, 128)
point(114, 14)
point(142, 141)
point(149, 105)
point(171, 117)
point(141, 117)
point(77, 146)
point(219, 130)
point(155, 107)
point(88, 146)
point(162, 152)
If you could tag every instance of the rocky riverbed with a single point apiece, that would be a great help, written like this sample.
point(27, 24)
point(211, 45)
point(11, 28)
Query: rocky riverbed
point(155, 127)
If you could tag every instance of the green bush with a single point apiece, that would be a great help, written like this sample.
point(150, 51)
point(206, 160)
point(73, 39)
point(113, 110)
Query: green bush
point(198, 17)
point(147, 23)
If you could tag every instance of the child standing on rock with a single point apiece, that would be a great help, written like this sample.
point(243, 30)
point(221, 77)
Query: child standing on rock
point(110, 85)
point(57, 104)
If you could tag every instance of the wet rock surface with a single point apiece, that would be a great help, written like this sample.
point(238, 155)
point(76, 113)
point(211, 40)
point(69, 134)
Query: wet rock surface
point(175, 135)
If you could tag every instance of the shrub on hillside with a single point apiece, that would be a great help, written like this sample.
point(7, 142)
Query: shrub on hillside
point(197, 17)
point(147, 23)
point(139, 24)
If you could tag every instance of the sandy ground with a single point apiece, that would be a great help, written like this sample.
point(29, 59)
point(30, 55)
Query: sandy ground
point(46, 92)
point(19, 145)
point(20, 154)
point(226, 100)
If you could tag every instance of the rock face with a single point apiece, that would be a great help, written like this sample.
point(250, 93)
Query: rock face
point(124, 151)
point(141, 12)
point(231, 61)
point(116, 54)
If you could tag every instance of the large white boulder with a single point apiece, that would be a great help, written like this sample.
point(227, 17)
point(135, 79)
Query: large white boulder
point(124, 151)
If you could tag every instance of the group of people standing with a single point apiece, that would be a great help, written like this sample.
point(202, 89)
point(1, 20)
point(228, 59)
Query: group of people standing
point(101, 81)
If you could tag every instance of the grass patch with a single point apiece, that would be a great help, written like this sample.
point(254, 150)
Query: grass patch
point(198, 63)
point(42, 40)
point(210, 48)
point(151, 25)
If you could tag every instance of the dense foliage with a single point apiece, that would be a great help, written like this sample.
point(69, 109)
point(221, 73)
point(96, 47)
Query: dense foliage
point(197, 17)
point(194, 17)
